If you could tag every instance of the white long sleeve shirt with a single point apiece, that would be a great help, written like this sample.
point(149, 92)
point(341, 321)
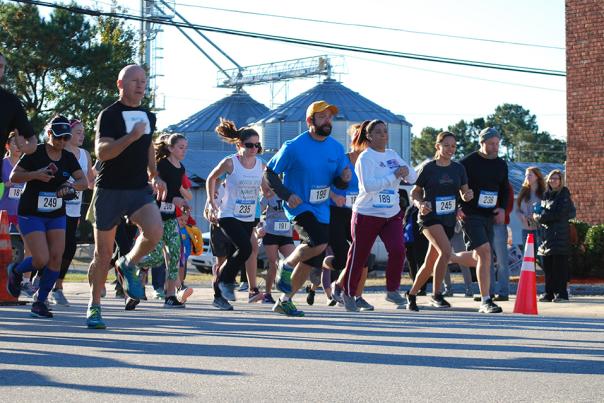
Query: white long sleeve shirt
point(378, 186)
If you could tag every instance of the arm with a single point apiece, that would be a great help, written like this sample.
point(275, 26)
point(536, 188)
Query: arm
point(90, 175)
point(107, 148)
point(81, 183)
point(26, 145)
point(20, 175)
point(225, 166)
point(417, 198)
point(411, 176)
point(367, 179)
point(559, 210)
point(276, 185)
point(186, 193)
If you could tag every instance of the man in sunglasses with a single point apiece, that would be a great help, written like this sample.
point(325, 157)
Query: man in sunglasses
point(310, 164)
point(14, 118)
point(127, 161)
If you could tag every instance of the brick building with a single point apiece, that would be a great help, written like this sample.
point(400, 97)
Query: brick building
point(585, 107)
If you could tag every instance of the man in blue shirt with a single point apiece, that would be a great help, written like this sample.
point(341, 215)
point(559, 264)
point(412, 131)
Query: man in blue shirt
point(309, 164)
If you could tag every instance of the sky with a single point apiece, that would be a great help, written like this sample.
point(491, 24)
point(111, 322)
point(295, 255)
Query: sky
point(426, 93)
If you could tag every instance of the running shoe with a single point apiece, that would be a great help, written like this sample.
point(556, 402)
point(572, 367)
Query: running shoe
point(183, 293)
point(331, 301)
point(172, 302)
point(14, 279)
point(222, 304)
point(479, 298)
point(284, 280)
point(94, 320)
point(448, 293)
point(310, 298)
point(227, 290)
point(58, 298)
point(119, 291)
point(411, 302)
point(268, 299)
point(395, 298)
point(40, 310)
point(489, 307)
point(35, 298)
point(423, 293)
point(287, 308)
point(350, 303)
point(546, 298)
point(159, 294)
point(244, 286)
point(27, 288)
point(559, 299)
point(254, 296)
point(131, 303)
point(501, 298)
point(131, 282)
point(438, 301)
point(337, 293)
point(363, 305)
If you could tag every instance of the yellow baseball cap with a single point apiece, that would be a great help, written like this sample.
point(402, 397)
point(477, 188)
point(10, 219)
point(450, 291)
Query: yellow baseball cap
point(320, 106)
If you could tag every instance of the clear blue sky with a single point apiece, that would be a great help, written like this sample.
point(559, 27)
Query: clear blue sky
point(427, 94)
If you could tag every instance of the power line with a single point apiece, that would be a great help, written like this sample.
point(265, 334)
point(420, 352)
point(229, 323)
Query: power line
point(391, 29)
point(350, 48)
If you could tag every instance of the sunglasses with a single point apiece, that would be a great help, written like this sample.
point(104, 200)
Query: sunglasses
point(252, 145)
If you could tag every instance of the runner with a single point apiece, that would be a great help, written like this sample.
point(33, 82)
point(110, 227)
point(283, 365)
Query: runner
point(42, 210)
point(73, 209)
point(170, 150)
point(278, 236)
point(310, 164)
point(237, 212)
point(488, 179)
point(126, 154)
point(376, 212)
point(435, 195)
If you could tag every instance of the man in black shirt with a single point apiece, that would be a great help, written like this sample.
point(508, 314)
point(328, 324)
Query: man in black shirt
point(124, 147)
point(14, 118)
point(488, 179)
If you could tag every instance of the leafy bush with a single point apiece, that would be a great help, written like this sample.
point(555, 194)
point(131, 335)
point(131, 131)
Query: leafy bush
point(594, 249)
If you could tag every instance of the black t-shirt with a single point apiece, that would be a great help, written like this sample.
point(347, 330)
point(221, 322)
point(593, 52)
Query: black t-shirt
point(12, 116)
point(173, 178)
point(129, 169)
point(488, 178)
point(441, 188)
point(40, 198)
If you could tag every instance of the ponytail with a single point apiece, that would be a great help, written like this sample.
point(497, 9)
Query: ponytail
point(163, 143)
point(229, 133)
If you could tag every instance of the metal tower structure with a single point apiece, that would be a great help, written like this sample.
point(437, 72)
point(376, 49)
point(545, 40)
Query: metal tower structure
point(151, 49)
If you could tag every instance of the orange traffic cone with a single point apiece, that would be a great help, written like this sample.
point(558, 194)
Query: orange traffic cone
point(526, 296)
point(6, 256)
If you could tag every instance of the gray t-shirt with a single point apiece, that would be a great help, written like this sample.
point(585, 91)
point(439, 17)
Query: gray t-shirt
point(441, 188)
point(275, 221)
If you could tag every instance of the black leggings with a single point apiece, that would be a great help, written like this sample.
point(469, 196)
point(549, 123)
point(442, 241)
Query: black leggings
point(70, 245)
point(340, 237)
point(239, 233)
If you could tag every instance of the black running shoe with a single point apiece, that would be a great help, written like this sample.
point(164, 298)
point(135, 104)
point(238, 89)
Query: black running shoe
point(489, 307)
point(131, 303)
point(439, 301)
point(13, 284)
point(310, 298)
point(40, 310)
point(411, 303)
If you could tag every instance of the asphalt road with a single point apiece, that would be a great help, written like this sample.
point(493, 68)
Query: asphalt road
point(252, 354)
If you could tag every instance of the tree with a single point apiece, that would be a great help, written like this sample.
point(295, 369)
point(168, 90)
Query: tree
point(422, 147)
point(65, 64)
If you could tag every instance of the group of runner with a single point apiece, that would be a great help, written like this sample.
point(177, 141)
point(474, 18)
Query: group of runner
point(310, 185)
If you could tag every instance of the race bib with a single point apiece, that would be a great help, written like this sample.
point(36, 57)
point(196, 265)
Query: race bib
point(48, 201)
point(15, 192)
point(133, 117)
point(167, 208)
point(281, 226)
point(350, 199)
point(245, 208)
point(487, 199)
point(384, 199)
point(445, 205)
point(75, 200)
point(318, 195)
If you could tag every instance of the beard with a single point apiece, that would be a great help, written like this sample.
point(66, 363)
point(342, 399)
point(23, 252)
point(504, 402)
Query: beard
point(324, 130)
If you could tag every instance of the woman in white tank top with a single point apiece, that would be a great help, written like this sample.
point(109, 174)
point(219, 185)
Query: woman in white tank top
point(237, 212)
point(72, 209)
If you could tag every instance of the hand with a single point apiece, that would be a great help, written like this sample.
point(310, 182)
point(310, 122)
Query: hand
point(294, 201)
point(159, 187)
point(346, 175)
point(138, 130)
point(425, 208)
point(461, 216)
point(43, 175)
point(401, 172)
point(339, 200)
point(260, 232)
point(468, 195)
point(67, 192)
point(499, 216)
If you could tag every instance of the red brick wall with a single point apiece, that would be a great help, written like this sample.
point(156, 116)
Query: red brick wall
point(585, 107)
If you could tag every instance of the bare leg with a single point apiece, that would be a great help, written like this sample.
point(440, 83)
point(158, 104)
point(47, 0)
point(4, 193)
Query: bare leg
point(99, 267)
point(483, 268)
point(148, 219)
point(438, 240)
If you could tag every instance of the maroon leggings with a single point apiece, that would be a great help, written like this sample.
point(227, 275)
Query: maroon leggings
point(365, 229)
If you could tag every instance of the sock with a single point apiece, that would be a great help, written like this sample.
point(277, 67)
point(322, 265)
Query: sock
point(284, 298)
point(25, 266)
point(485, 299)
point(48, 280)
